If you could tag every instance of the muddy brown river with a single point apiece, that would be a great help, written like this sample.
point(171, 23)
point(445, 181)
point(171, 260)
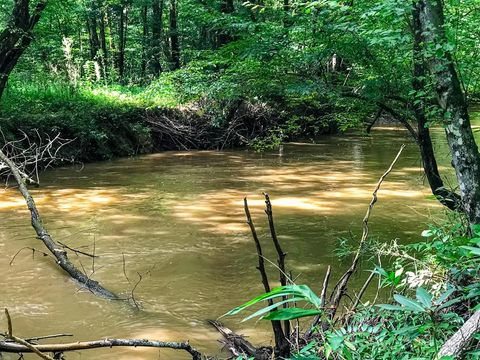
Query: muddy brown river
point(176, 218)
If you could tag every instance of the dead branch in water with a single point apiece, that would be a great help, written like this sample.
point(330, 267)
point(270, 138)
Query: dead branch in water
point(281, 256)
point(10, 347)
point(57, 250)
point(280, 339)
point(238, 345)
point(21, 341)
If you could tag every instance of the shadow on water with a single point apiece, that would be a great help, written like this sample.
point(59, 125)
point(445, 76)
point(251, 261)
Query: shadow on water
point(178, 219)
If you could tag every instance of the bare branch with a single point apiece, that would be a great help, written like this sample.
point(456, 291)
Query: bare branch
point(22, 341)
point(341, 287)
point(56, 249)
point(280, 339)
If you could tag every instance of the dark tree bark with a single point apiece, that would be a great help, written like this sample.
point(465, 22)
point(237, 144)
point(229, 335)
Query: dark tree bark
point(17, 36)
point(144, 40)
point(157, 34)
point(121, 41)
point(174, 39)
point(224, 36)
point(92, 26)
point(446, 197)
point(103, 36)
point(465, 156)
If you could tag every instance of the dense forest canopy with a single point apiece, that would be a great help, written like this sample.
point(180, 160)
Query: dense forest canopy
point(294, 53)
point(109, 78)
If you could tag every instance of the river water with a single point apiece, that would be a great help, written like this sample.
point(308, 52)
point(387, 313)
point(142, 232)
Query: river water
point(177, 218)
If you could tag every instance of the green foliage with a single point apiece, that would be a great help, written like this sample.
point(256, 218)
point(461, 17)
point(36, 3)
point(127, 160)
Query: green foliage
point(289, 294)
point(105, 122)
point(421, 314)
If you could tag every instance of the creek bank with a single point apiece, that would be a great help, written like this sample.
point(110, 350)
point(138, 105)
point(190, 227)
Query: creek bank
point(103, 132)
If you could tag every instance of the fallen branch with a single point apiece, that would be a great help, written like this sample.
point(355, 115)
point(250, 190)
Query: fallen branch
point(56, 249)
point(21, 341)
point(10, 347)
point(456, 344)
point(15, 344)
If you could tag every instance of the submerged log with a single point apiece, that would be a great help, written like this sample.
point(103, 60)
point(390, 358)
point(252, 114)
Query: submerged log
point(56, 249)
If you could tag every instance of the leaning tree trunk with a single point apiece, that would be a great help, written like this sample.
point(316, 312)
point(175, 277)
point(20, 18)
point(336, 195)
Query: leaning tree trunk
point(17, 36)
point(465, 156)
point(424, 140)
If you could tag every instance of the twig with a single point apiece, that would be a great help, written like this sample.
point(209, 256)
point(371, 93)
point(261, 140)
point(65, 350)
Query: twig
point(36, 338)
point(29, 248)
point(21, 341)
point(132, 294)
point(124, 268)
point(323, 300)
point(341, 286)
point(323, 295)
point(362, 291)
point(76, 251)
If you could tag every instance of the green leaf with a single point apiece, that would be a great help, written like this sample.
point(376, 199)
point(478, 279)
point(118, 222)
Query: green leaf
point(299, 291)
point(291, 314)
point(390, 307)
point(444, 296)
point(424, 297)
point(409, 304)
point(271, 307)
point(476, 229)
point(450, 303)
point(472, 250)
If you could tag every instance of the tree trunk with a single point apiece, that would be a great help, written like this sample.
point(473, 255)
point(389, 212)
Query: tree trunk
point(157, 32)
point(17, 36)
point(121, 42)
point(224, 36)
point(103, 41)
point(455, 345)
point(144, 41)
point(174, 41)
point(465, 156)
point(93, 33)
point(424, 141)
